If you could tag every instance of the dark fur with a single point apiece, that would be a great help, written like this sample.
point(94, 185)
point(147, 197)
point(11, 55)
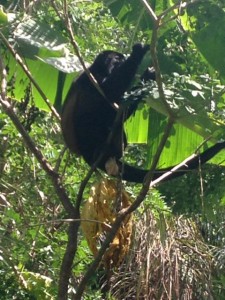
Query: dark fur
point(88, 117)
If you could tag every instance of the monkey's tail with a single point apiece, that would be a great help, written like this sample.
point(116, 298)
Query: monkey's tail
point(133, 174)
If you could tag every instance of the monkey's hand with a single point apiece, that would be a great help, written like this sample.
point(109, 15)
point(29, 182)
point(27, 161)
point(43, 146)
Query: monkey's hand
point(138, 51)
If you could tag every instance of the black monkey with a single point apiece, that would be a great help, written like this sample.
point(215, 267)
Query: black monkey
point(88, 116)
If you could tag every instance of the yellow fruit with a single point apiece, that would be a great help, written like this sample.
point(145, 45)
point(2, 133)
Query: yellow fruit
point(99, 213)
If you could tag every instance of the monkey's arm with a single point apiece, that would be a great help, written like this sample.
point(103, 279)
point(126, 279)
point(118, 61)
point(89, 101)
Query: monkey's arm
point(118, 82)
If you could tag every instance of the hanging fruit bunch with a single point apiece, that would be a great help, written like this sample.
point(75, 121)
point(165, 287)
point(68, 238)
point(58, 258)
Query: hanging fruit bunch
point(99, 213)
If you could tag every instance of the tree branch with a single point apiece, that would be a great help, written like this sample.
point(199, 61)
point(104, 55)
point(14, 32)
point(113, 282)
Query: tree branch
point(156, 26)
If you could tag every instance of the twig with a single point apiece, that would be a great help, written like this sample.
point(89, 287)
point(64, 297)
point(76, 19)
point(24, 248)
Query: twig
point(72, 221)
point(30, 6)
point(3, 75)
point(156, 25)
point(180, 5)
point(173, 170)
point(176, 169)
point(150, 11)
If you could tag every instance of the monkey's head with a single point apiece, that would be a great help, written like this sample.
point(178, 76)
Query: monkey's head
point(107, 61)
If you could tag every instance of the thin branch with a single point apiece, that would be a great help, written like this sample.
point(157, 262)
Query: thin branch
point(176, 169)
point(156, 25)
point(3, 76)
point(180, 5)
point(54, 221)
point(31, 5)
point(150, 11)
point(201, 186)
point(29, 75)
point(71, 249)
point(158, 72)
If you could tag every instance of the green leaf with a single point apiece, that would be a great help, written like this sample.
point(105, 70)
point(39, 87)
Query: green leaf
point(44, 74)
point(37, 35)
point(206, 23)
